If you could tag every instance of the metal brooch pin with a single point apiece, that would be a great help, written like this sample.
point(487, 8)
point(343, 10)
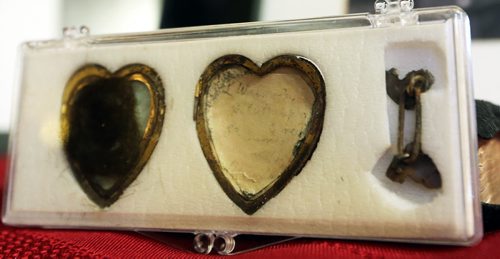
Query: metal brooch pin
point(410, 161)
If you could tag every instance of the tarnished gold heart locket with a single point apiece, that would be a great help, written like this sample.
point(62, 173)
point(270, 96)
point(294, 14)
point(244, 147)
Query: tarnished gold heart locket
point(258, 126)
point(110, 125)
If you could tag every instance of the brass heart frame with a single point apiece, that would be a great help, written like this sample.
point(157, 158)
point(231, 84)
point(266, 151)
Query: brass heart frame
point(305, 147)
point(134, 72)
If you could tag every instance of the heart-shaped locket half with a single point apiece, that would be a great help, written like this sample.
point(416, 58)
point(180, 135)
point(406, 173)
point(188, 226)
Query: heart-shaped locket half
point(258, 126)
point(110, 125)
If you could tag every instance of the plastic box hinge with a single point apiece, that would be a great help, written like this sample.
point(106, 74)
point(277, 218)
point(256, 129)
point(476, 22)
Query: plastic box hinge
point(394, 13)
point(73, 35)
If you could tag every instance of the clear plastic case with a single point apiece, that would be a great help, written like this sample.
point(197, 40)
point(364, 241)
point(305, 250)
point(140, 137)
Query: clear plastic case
point(337, 188)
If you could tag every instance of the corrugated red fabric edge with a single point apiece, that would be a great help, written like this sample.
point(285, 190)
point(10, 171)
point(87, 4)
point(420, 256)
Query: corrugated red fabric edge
point(43, 243)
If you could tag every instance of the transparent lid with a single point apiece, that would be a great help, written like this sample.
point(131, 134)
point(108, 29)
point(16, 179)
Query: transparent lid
point(337, 189)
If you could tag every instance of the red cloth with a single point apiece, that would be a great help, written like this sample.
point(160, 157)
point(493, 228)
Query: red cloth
point(42, 243)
